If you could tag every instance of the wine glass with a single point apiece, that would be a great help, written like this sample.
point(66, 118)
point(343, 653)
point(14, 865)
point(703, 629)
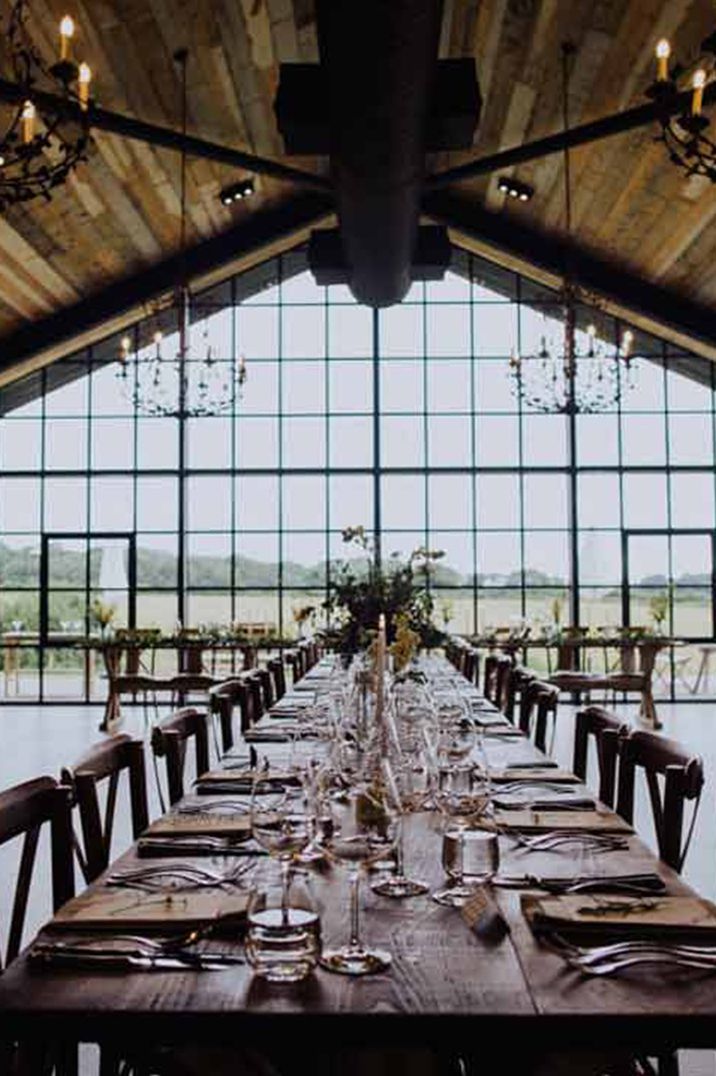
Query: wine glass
point(280, 822)
point(414, 788)
point(463, 797)
point(363, 832)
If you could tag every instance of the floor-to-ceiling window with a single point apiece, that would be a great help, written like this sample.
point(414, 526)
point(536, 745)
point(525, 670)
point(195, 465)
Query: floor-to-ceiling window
point(405, 419)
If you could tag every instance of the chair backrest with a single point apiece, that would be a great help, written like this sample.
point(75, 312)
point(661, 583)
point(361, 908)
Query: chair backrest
point(222, 700)
point(489, 677)
point(470, 666)
point(683, 779)
point(278, 674)
point(294, 658)
point(170, 738)
point(106, 761)
point(538, 703)
point(607, 730)
point(513, 689)
point(503, 672)
point(24, 810)
point(266, 681)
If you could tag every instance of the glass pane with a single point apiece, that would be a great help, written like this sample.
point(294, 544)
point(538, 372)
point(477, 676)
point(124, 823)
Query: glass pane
point(303, 332)
point(157, 610)
point(600, 558)
point(67, 562)
point(350, 331)
point(495, 333)
point(597, 440)
point(600, 607)
point(449, 441)
point(599, 500)
point(19, 562)
point(257, 611)
point(112, 504)
point(303, 388)
point(257, 442)
point(691, 439)
point(304, 442)
point(157, 561)
point(21, 444)
point(66, 388)
point(401, 331)
point(545, 440)
point(546, 558)
point(644, 500)
point(209, 442)
point(19, 504)
point(456, 567)
point(497, 441)
point(649, 394)
point(449, 383)
point(494, 387)
point(499, 559)
point(545, 500)
point(257, 331)
point(21, 610)
point(304, 560)
point(351, 386)
point(351, 442)
point(693, 612)
point(403, 500)
point(450, 501)
point(157, 444)
point(498, 608)
point(401, 386)
point(260, 395)
point(207, 608)
point(402, 442)
point(112, 445)
point(643, 440)
point(65, 504)
point(257, 502)
point(257, 560)
point(351, 501)
point(498, 501)
point(684, 393)
point(649, 560)
point(692, 500)
point(209, 560)
point(66, 444)
point(454, 610)
point(448, 330)
point(304, 502)
point(157, 504)
point(209, 503)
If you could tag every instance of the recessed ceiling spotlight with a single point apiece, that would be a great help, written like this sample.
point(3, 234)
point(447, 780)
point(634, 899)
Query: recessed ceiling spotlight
point(515, 188)
point(237, 191)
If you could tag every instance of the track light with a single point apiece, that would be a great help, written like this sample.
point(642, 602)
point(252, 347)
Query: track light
point(515, 188)
point(237, 191)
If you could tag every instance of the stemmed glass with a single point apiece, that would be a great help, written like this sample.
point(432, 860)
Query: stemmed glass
point(463, 797)
point(280, 824)
point(364, 823)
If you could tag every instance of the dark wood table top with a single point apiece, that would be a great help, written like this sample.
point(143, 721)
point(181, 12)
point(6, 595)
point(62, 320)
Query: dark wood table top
point(446, 984)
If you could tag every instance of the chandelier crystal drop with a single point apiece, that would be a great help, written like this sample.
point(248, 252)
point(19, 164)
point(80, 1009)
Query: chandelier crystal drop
point(38, 146)
point(574, 370)
point(176, 375)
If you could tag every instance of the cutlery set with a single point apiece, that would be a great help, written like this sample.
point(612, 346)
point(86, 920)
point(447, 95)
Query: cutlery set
point(567, 840)
point(177, 877)
point(621, 956)
point(615, 883)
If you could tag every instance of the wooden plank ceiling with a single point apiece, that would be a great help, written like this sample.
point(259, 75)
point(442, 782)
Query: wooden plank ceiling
point(119, 212)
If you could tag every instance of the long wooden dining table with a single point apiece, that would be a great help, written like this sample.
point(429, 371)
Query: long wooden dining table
point(448, 988)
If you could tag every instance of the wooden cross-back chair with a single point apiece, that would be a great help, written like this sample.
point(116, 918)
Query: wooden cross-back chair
point(24, 810)
point(489, 677)
point(513, 688)
point(278, 674)
point(106, 761)
point(267, 690)
point(470, 664)
point(682, 777)
point(606, 729)
point(295, 660)
point(538, 704)
point(170, 739)
point(222, 701)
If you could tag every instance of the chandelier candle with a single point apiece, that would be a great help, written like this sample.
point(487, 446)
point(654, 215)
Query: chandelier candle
point(67, 29)
point(698, 99)
point(663, 51)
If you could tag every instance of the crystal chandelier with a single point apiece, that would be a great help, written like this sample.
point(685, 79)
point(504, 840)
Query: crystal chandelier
point(168, 374)
point(574, 371)
point(39, 149)
point(684, 133)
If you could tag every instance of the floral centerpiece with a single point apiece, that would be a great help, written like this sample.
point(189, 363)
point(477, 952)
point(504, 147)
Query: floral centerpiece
point(362, 588)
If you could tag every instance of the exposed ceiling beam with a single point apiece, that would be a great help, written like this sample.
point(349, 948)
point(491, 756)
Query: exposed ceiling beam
point(107, 311)
point(617, 123)
point(154, 135)
point(649, 306)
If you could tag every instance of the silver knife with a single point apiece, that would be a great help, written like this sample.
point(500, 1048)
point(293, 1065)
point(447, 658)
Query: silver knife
point(125, 961)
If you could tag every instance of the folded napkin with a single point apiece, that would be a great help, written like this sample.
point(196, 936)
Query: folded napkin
point(226, 825)
point(546, 803)
point(527, 773)
point(232, 781)
point(503, 729)
point(200, 845)
point(647, 916)
point(113, 909)
point(542, 820)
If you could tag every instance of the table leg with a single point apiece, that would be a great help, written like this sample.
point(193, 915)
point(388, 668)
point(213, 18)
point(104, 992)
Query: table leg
point(647, 710)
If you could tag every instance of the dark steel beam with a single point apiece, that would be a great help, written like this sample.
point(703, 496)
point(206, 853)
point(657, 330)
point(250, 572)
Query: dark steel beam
point(259, 231)
point(660, 305)
point(154, 135)
point(617, 123)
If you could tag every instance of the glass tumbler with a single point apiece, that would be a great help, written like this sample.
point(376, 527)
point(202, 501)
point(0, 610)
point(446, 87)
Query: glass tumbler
point(283, 939)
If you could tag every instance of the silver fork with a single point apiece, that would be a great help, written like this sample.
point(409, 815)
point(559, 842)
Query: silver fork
point(666, 957)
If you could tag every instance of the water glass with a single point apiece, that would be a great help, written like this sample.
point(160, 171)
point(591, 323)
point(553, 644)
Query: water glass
point(283, 940)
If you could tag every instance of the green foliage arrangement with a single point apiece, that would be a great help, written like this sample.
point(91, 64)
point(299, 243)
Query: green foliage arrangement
point(362, 588)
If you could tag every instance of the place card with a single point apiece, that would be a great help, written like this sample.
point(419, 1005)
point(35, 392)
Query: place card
point(589, 821)
point(483, 916)
point(114, 909)
point(646, 915)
